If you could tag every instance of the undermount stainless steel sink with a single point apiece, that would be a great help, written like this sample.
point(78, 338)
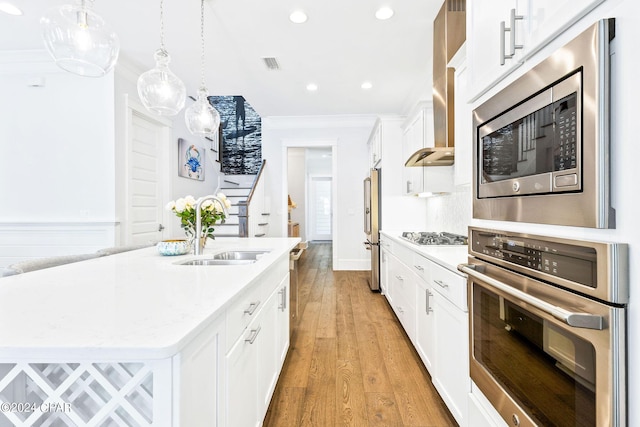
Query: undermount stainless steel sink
point(240, 255)
point(237, 257)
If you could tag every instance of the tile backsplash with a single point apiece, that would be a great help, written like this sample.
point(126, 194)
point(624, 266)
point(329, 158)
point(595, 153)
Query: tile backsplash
point(450, 212)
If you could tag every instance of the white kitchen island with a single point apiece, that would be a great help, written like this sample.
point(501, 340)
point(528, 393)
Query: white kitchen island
point(135, 339)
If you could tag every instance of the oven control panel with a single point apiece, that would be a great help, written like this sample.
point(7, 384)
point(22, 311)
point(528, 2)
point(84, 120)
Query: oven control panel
point(576, 263)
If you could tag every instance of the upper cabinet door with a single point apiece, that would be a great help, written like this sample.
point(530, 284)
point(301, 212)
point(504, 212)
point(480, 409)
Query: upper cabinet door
point(549, 18)
point(502, 35)
point(490, 41)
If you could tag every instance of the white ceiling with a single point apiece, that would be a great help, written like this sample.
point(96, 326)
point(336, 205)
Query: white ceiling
point(340, 46)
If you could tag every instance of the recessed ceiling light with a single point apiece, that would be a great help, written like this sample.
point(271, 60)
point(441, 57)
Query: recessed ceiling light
point(10, 9)
point(298, 17)
point(384, 13)
point(312, 87)
point(366, 85)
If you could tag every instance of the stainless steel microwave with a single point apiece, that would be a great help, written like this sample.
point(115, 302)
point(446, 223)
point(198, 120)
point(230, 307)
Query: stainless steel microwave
point(541, 152)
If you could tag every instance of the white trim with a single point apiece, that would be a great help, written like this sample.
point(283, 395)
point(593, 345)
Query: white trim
point(134, 107)
point(305, 143)
point(353, 264)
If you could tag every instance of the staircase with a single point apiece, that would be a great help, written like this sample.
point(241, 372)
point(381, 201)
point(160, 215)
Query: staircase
point(247, 216)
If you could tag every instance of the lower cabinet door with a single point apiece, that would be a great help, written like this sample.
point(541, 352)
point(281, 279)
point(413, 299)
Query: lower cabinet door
point(242, 380)
point(425, 333)
point(268, 354)
point(451, 376)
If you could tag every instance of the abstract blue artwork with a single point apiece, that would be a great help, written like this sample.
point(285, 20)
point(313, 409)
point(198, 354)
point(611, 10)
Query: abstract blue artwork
point(241, 135)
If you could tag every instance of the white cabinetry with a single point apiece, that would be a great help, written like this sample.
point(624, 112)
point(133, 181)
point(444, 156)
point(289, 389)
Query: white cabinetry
point(199, 371)
point(463, 167)
point(384, 266)
point(502, 35)
point(402, 290)
point(548, 18)
point(418, 133)
point(451, 319)
point(425, 334)
point(414, 138)
point(255, 357)
point(485, 38)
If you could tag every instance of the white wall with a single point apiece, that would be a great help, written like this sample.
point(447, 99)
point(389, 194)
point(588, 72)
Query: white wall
point(62, 148)
point(125, 86)
point(56, 159)
point(349, 134)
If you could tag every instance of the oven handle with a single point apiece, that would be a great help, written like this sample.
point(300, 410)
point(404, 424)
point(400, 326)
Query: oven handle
point(577, 320)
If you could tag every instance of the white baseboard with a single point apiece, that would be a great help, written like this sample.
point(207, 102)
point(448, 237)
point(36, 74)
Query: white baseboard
point(353, 264)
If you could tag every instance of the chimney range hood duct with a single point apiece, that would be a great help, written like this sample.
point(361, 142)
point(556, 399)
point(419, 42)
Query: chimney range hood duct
point(449, 33)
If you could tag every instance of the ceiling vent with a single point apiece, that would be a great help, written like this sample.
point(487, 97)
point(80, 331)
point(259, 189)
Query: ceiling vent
point(271, 63)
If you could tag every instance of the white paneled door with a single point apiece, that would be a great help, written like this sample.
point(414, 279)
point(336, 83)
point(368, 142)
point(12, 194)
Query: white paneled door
point(147, 139)
point(321, 209)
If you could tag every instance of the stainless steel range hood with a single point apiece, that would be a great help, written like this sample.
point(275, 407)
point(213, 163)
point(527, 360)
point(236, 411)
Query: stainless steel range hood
point(449, 33)
point(433, 156)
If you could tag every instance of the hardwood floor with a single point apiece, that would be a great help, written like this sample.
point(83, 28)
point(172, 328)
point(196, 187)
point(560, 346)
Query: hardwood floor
point(349, 362)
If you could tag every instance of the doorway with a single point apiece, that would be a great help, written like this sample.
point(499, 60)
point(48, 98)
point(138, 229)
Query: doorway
point(310, 182)
point(147, 141)
point(320, 212)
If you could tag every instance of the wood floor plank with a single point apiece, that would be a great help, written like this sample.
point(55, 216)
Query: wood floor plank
point(350, 362)
point(319, 404)
point(418, 405)
point(383, 411)
point(286, 407)
point(327, 318)
point(351, 408)
point(345, 324)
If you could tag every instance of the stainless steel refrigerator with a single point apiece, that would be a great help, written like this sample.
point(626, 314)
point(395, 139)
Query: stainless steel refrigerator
point(372, 225)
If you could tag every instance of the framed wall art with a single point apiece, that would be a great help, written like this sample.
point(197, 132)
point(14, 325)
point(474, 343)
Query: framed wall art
point(190, 160)
point(240, 141)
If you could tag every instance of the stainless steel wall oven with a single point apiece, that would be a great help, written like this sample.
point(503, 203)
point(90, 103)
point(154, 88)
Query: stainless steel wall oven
point(542, 144)
point(547, 322)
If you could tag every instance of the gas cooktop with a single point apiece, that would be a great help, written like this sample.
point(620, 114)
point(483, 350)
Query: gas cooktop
point(434, 238)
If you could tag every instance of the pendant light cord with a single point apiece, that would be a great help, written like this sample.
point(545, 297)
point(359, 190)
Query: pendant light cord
point(162, 25)
point(202, 43)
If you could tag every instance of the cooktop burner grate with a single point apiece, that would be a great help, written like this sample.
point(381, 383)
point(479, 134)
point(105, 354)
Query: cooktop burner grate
point(434, 238)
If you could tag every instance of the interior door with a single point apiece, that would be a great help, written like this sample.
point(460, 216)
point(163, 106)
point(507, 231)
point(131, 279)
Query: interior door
point(321, 211)
point(145, 179)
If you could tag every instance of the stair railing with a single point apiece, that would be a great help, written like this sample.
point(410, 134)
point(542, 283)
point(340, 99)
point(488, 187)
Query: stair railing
point(247, 210)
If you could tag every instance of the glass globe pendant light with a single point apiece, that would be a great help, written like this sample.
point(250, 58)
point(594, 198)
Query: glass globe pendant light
point(161, 91)
point(80, 41)
point(201, 118)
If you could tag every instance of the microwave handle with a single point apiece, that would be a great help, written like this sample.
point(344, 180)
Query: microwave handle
point(577, 320)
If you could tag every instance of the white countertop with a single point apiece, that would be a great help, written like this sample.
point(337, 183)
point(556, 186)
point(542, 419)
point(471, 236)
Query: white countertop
point(133, 305)
point(447, 256)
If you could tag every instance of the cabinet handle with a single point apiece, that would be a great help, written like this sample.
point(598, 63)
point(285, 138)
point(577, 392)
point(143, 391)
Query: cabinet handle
point(427, 295)
point(512, 37)
point(419, 267)
point(283, 301)
point(254, 335)
point(400, 278)
point(408, 186)
point(400, 310)
point(252, 308)
point(441, 283)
